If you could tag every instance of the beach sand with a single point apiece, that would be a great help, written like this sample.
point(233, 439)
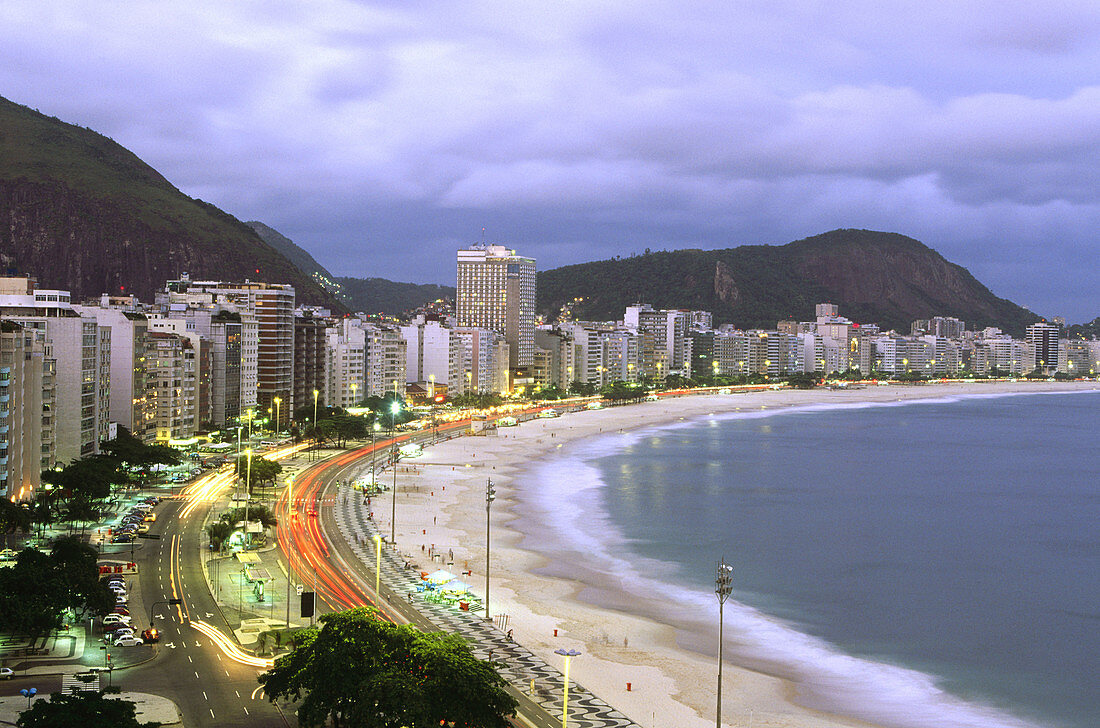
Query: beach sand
point(441, 505)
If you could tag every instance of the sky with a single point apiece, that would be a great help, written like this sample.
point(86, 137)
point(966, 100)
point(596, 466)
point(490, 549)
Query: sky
point(382, 136)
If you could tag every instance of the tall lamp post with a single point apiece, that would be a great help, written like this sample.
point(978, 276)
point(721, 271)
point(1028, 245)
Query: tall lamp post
point(723, 585)
point(373, 454)
point(490, 496)
point(394, 409)
point(289, 511)
point(565, 693)
point(247, 494)
point(316, 440)
point(377, 564)
point(278, 422)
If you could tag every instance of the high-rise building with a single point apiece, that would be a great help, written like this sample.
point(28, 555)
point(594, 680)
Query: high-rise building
point(496, 291)
point(1042, 341)
point(24, 452)
point(272, 307)
point(80, 352)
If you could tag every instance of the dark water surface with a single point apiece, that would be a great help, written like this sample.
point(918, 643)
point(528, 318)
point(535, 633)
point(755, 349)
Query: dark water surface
point(953, 544)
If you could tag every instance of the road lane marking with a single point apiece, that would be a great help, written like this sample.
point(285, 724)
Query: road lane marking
point(205, 696)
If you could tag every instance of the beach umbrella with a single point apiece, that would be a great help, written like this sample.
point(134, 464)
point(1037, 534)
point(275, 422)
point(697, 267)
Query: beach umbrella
point(441, 577)
point(456, 586)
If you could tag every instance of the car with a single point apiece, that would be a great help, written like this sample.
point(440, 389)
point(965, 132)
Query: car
point(143, 528)
point(152, 500)
point(121, 600)
point(122, 538)
point(128, 642)
point(141, 508)
point(6, 673)
point(8, 555)
point(116, 619)
point(117, 588)
point(151, 635)
point(112, 635)
point(121, 610)
point(150, 518)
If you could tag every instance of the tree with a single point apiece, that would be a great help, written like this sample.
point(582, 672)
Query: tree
point(356, 670)
point(128, 450)
point(583, 389)
point(14, 517)
point(39, 588)
point(83, 709)
point(262, 470)
point(263, 514)
point(219, 531)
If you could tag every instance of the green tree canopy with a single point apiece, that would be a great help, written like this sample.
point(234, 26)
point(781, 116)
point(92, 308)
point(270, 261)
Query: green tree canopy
point(83, 709)
point(36, 591)
point(261, 471)
point(357, 670)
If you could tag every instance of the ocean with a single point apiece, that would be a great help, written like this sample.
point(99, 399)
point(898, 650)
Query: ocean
point(917, 564)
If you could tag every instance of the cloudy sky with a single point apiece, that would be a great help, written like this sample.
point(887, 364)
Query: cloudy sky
point(381, 136)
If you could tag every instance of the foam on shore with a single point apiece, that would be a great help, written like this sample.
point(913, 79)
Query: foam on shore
point(559, 563)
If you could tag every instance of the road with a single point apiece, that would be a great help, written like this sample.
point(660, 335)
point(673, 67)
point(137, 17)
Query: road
point(209, 688)
point(343, 580)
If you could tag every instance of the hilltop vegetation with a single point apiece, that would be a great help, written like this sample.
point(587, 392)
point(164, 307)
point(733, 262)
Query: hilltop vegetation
point(83, 213)
point(874, 277)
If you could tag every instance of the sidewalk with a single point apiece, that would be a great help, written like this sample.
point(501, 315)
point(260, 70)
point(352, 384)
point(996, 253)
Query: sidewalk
point(249, 609)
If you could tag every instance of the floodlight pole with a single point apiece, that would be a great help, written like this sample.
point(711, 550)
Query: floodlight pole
point(723, 585)
point(490, 496)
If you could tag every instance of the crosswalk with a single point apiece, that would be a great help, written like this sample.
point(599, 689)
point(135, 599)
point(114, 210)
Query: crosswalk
point(516, 664)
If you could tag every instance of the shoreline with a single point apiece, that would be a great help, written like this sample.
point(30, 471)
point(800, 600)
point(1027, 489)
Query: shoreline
point(441, 498)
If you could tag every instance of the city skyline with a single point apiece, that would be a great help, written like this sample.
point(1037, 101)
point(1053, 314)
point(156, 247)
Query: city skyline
point(365, 130)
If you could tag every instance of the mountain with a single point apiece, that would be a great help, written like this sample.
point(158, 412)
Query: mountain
point(875, 277)
point(80, 212)
point(297, 255)
point(377, 295)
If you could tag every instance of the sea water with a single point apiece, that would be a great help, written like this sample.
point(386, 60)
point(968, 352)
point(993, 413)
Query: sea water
point(916, 564)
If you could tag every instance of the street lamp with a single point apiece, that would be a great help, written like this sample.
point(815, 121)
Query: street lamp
point(490, 496)
point(278, 422)
point(394, 409)
point(377, 564)
point(723, 585)
point(316, 439)
point(373, 454)
point(247, 494)
point(289, 507)
point(565, 694)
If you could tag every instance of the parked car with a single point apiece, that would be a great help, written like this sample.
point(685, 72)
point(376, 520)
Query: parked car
point(115, 632)
point(6, 673)
point(121, 600)
point(116, 619)
point(121, 610)
point(152, 500)
point(122, 538)
point(129, 642)
point(143, 528)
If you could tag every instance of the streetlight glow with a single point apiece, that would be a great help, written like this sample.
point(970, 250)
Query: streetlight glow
point(723, 586)
point(565, 693)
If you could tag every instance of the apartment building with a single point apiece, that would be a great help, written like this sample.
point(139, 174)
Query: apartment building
point(496, 291)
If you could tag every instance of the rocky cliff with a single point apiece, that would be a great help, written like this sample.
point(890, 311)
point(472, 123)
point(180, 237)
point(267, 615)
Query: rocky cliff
point(80, 212)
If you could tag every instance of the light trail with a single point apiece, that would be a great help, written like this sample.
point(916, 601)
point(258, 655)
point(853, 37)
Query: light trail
point(229, 649)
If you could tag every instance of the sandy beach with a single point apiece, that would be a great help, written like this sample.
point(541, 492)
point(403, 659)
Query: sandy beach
point(441, 506)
